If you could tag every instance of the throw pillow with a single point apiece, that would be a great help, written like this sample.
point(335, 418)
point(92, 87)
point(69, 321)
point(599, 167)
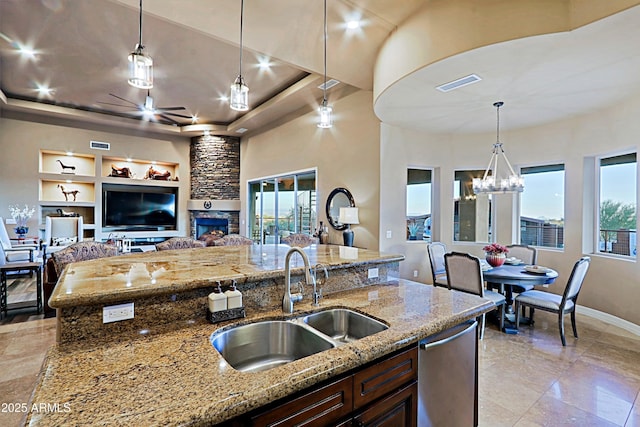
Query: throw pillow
point(63, 241)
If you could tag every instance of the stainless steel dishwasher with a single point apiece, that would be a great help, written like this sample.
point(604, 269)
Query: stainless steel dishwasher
point(448, 378)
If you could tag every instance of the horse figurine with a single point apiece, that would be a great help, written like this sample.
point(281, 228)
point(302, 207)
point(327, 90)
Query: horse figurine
point(71, 168)
point(74, 193)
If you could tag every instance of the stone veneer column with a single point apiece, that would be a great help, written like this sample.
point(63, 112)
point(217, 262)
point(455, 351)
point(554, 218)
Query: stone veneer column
point(215, 175)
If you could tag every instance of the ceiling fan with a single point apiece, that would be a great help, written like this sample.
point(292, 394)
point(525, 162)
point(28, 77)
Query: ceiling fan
point(148, 109)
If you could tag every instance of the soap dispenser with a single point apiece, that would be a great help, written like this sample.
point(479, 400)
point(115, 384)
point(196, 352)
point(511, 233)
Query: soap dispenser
point(234, 297)
point(217, 300)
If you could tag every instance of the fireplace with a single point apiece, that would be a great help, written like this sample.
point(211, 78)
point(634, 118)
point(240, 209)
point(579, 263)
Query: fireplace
point(205, 225)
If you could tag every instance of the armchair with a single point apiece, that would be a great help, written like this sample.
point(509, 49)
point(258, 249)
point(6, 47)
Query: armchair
point(60, 232)
point(10, 253)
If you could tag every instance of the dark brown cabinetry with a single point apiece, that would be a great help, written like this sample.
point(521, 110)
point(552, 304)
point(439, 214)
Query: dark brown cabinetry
point(383, 393)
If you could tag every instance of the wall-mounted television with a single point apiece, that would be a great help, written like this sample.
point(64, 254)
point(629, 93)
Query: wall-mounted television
point(139, 207)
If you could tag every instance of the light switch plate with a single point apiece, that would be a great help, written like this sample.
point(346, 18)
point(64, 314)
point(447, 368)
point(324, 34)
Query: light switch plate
point(115, 313)
point(389, 234)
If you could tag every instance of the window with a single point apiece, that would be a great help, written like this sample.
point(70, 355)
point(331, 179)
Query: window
point(471, 212)
point(542, 206)
point(282, 205)
point(418, 204)
point(617, 209)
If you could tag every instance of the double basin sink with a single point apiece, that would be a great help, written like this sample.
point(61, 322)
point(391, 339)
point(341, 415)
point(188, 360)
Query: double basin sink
point(266, 344)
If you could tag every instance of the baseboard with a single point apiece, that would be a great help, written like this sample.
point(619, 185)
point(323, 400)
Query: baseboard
point(610, 319)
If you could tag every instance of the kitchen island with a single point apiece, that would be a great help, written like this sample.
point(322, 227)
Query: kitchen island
point(174, 376)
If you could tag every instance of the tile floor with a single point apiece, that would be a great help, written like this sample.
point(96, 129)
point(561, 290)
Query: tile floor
point(526, 380)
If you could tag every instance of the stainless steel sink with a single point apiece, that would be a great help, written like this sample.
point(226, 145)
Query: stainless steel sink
point(344, 325)
point(265, 345)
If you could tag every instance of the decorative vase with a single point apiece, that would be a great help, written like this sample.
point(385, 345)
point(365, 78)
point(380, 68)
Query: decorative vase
point(21, 231)
point(495, 260)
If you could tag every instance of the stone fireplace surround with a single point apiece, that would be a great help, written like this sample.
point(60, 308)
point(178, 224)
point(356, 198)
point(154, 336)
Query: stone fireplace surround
point(215, 181)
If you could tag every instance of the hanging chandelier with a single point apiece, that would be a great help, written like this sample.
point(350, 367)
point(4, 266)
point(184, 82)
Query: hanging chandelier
point(493, 181)
point(140, 65)
point(325, 110)
point(239, 99)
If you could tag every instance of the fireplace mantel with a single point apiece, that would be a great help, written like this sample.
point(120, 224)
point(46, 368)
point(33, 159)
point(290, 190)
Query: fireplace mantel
point(214, 205)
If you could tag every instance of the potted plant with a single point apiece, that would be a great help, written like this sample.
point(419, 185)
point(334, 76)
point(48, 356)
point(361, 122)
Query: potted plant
point(413, 230)
point(495, 254)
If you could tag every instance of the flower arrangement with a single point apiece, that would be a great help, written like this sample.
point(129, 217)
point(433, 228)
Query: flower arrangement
point(21, 216)
point(495, 248)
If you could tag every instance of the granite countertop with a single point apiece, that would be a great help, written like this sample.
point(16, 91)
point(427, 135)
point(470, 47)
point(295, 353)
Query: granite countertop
point(178, 378)
point(145, 274)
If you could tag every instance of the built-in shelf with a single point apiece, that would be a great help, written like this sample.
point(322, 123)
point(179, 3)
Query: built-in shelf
point(139, 170)
point(83, 176)
point(67, 166)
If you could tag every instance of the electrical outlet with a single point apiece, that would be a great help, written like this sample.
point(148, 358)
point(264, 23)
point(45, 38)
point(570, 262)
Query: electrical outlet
point(373, 273)
point(10, 221)
point(115, 313)
point(415, 273)
point(389, 234)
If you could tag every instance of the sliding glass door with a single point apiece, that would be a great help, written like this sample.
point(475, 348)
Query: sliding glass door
point(282, 205)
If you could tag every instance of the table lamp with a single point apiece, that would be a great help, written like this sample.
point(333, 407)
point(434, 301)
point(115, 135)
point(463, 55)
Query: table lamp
point(348, 216)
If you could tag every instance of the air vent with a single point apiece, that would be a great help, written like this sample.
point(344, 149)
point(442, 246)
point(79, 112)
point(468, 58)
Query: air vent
point(463, 81)
point(97, 145)
point(330, 83)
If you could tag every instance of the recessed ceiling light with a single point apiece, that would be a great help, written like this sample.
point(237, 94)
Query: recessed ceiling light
point(129, 159)
point(27, 52)
point(44, 90)
point(241, 130)
point(194, 118)
point(462, 81)
point(224, 98)
point(264, 63)
point(353, 24)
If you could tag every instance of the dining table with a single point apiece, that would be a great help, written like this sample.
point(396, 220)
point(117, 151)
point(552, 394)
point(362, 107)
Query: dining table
point(509, 276)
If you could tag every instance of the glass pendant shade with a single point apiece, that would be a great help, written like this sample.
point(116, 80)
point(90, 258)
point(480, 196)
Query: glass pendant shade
point(325, 120)
point(140, 69)
point(239, 99)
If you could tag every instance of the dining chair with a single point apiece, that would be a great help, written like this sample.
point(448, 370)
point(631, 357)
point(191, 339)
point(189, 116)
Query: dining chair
point(436, 251)
point(179, 243)
point(565, 304)
point(528, 254)
point(17, 253)
point(464, 273)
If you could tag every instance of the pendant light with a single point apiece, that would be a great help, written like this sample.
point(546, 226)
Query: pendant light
point(495, 183)
point(140, 65)
point(240, 91)
point(325, 110)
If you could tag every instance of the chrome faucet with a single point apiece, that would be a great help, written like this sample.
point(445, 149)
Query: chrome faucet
point(317, 294)
point(289, 298)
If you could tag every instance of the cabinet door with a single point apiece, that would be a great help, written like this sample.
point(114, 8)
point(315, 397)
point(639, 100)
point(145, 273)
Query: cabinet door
point(320, 407)
point(397, 410)
point(384, 377)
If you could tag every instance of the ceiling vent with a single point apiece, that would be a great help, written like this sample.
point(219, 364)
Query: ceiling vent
point(463, 81)
point(329, 84)
point(97, 145)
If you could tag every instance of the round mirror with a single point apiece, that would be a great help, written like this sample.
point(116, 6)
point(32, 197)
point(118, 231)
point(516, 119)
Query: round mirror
point(339, 198)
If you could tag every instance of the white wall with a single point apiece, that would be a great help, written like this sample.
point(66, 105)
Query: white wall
point(21, 142)
point(347, 155)
point(612, 284)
